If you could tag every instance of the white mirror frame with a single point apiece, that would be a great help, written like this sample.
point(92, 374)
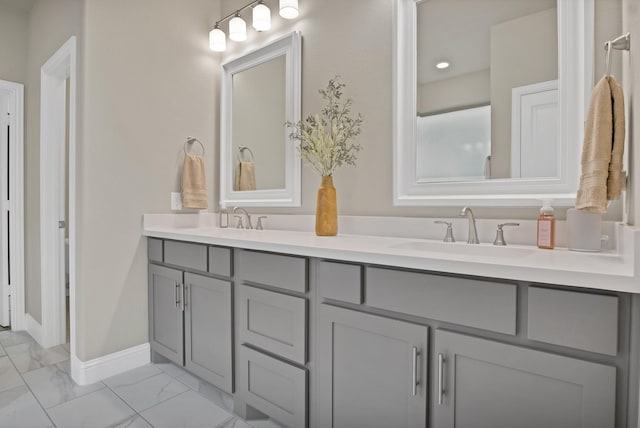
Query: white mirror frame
point(575, 80)
point(290, 47)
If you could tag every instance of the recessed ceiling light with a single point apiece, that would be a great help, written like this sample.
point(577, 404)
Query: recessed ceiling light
point(442, 65)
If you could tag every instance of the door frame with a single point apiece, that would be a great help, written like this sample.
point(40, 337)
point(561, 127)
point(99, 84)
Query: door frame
point(54, 74)
point(15, 92)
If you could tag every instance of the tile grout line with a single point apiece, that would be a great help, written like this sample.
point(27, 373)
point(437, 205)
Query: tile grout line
point(175, 376)
point(31, 391)
point(142, 380)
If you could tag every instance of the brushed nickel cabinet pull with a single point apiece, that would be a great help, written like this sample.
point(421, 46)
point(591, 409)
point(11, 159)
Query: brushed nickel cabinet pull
point(440, 378)
point(177, 294)
point(415, 381)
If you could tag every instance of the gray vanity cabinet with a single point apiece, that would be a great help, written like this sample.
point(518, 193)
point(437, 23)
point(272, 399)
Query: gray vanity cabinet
point(165, 313)
point(208, 328)
point(479, 383)
point(191, 315)
point(372, 371)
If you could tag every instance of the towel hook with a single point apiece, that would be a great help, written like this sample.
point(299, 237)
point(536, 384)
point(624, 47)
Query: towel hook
point(607, 59)
point(241, 149)
point(621, 43)
point(190, 141)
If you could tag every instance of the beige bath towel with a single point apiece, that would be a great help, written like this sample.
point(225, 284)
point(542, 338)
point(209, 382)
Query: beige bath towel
point(617, 177)
point(603, 136)
point(245, 176)
point(194, 184)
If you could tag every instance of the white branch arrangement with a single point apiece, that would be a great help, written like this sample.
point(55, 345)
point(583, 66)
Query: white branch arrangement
point(323, 137)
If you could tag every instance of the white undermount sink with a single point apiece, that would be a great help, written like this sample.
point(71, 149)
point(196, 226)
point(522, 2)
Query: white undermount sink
point(462, 248)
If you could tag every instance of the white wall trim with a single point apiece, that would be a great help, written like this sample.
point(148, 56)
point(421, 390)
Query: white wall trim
point(54, 73)
point(34, 328)
point(88, 372)
point(16, 207)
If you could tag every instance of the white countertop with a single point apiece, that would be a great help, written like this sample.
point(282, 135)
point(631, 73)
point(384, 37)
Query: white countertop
point(616, 270)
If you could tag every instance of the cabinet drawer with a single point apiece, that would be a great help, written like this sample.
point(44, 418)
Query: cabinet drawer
point(220, 261)
point(154, 249)
point(340, 281)
point(275, 388)
point(273, 269)
point(574, 319)
point(184, 254)
point(471, 302)
point(274, 322)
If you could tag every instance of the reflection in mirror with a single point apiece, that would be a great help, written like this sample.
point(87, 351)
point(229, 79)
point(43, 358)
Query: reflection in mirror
point(490, 100)
point(454, 146)
point(259, 165)
point(259, 99)
point(488, 59)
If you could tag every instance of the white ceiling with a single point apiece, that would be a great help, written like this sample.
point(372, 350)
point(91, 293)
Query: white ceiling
point(17, 5)
point(459, 31)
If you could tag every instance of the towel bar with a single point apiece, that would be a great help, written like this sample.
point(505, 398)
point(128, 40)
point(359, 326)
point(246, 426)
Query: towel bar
point(190, 141)
point(241, 150)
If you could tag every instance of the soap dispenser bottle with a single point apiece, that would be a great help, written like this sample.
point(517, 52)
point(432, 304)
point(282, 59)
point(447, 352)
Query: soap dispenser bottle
point(546, 226)
point(223, 218)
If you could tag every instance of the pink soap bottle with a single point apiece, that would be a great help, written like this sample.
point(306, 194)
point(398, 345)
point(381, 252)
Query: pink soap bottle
point(546, 227)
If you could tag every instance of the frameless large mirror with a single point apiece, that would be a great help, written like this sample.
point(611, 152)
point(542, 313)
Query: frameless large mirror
point(490, 98)
point(259, 165)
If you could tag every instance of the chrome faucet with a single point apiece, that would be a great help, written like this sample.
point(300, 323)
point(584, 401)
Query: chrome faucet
point(473, 232)
point(249, 224)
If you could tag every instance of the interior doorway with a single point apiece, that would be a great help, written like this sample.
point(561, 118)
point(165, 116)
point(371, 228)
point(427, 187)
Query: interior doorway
point(57, 197)
point(12, 306)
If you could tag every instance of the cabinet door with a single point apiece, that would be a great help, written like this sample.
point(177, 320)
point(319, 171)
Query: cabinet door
point(208, 327)
point(479, 383)
point(372, 371)
point(165, 313)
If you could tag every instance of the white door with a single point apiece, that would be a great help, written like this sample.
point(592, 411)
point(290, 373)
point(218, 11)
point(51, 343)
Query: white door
point(5, 136)
point(534, 125)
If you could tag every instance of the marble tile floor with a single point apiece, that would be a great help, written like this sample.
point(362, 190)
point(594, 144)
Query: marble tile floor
point(36, 391)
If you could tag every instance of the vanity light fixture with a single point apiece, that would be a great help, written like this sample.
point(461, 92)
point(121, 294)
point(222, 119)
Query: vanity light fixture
point(217, 40)
point(442, 65)
point(261, 16)
point(289, 9)
point(237, 29)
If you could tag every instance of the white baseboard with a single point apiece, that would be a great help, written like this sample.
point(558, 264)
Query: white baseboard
point(88, 372)
point(34, 328)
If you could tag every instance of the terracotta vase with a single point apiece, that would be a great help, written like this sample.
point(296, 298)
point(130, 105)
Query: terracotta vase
point(326, 208)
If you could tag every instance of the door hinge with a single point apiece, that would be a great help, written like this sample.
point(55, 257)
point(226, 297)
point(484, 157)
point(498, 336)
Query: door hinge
point(62, 224)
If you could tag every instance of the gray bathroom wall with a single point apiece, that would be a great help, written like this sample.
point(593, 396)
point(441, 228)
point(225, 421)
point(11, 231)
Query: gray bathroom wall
point(149, 82)
point(13, 43)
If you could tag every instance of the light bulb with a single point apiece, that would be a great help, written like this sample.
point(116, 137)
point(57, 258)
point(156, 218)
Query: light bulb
point(288, 9)
point(261, 17)
point(237, 29)
point(217, 40)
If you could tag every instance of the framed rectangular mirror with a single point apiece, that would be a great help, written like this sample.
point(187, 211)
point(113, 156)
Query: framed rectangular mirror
point(515, 89)
point(259, 163)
